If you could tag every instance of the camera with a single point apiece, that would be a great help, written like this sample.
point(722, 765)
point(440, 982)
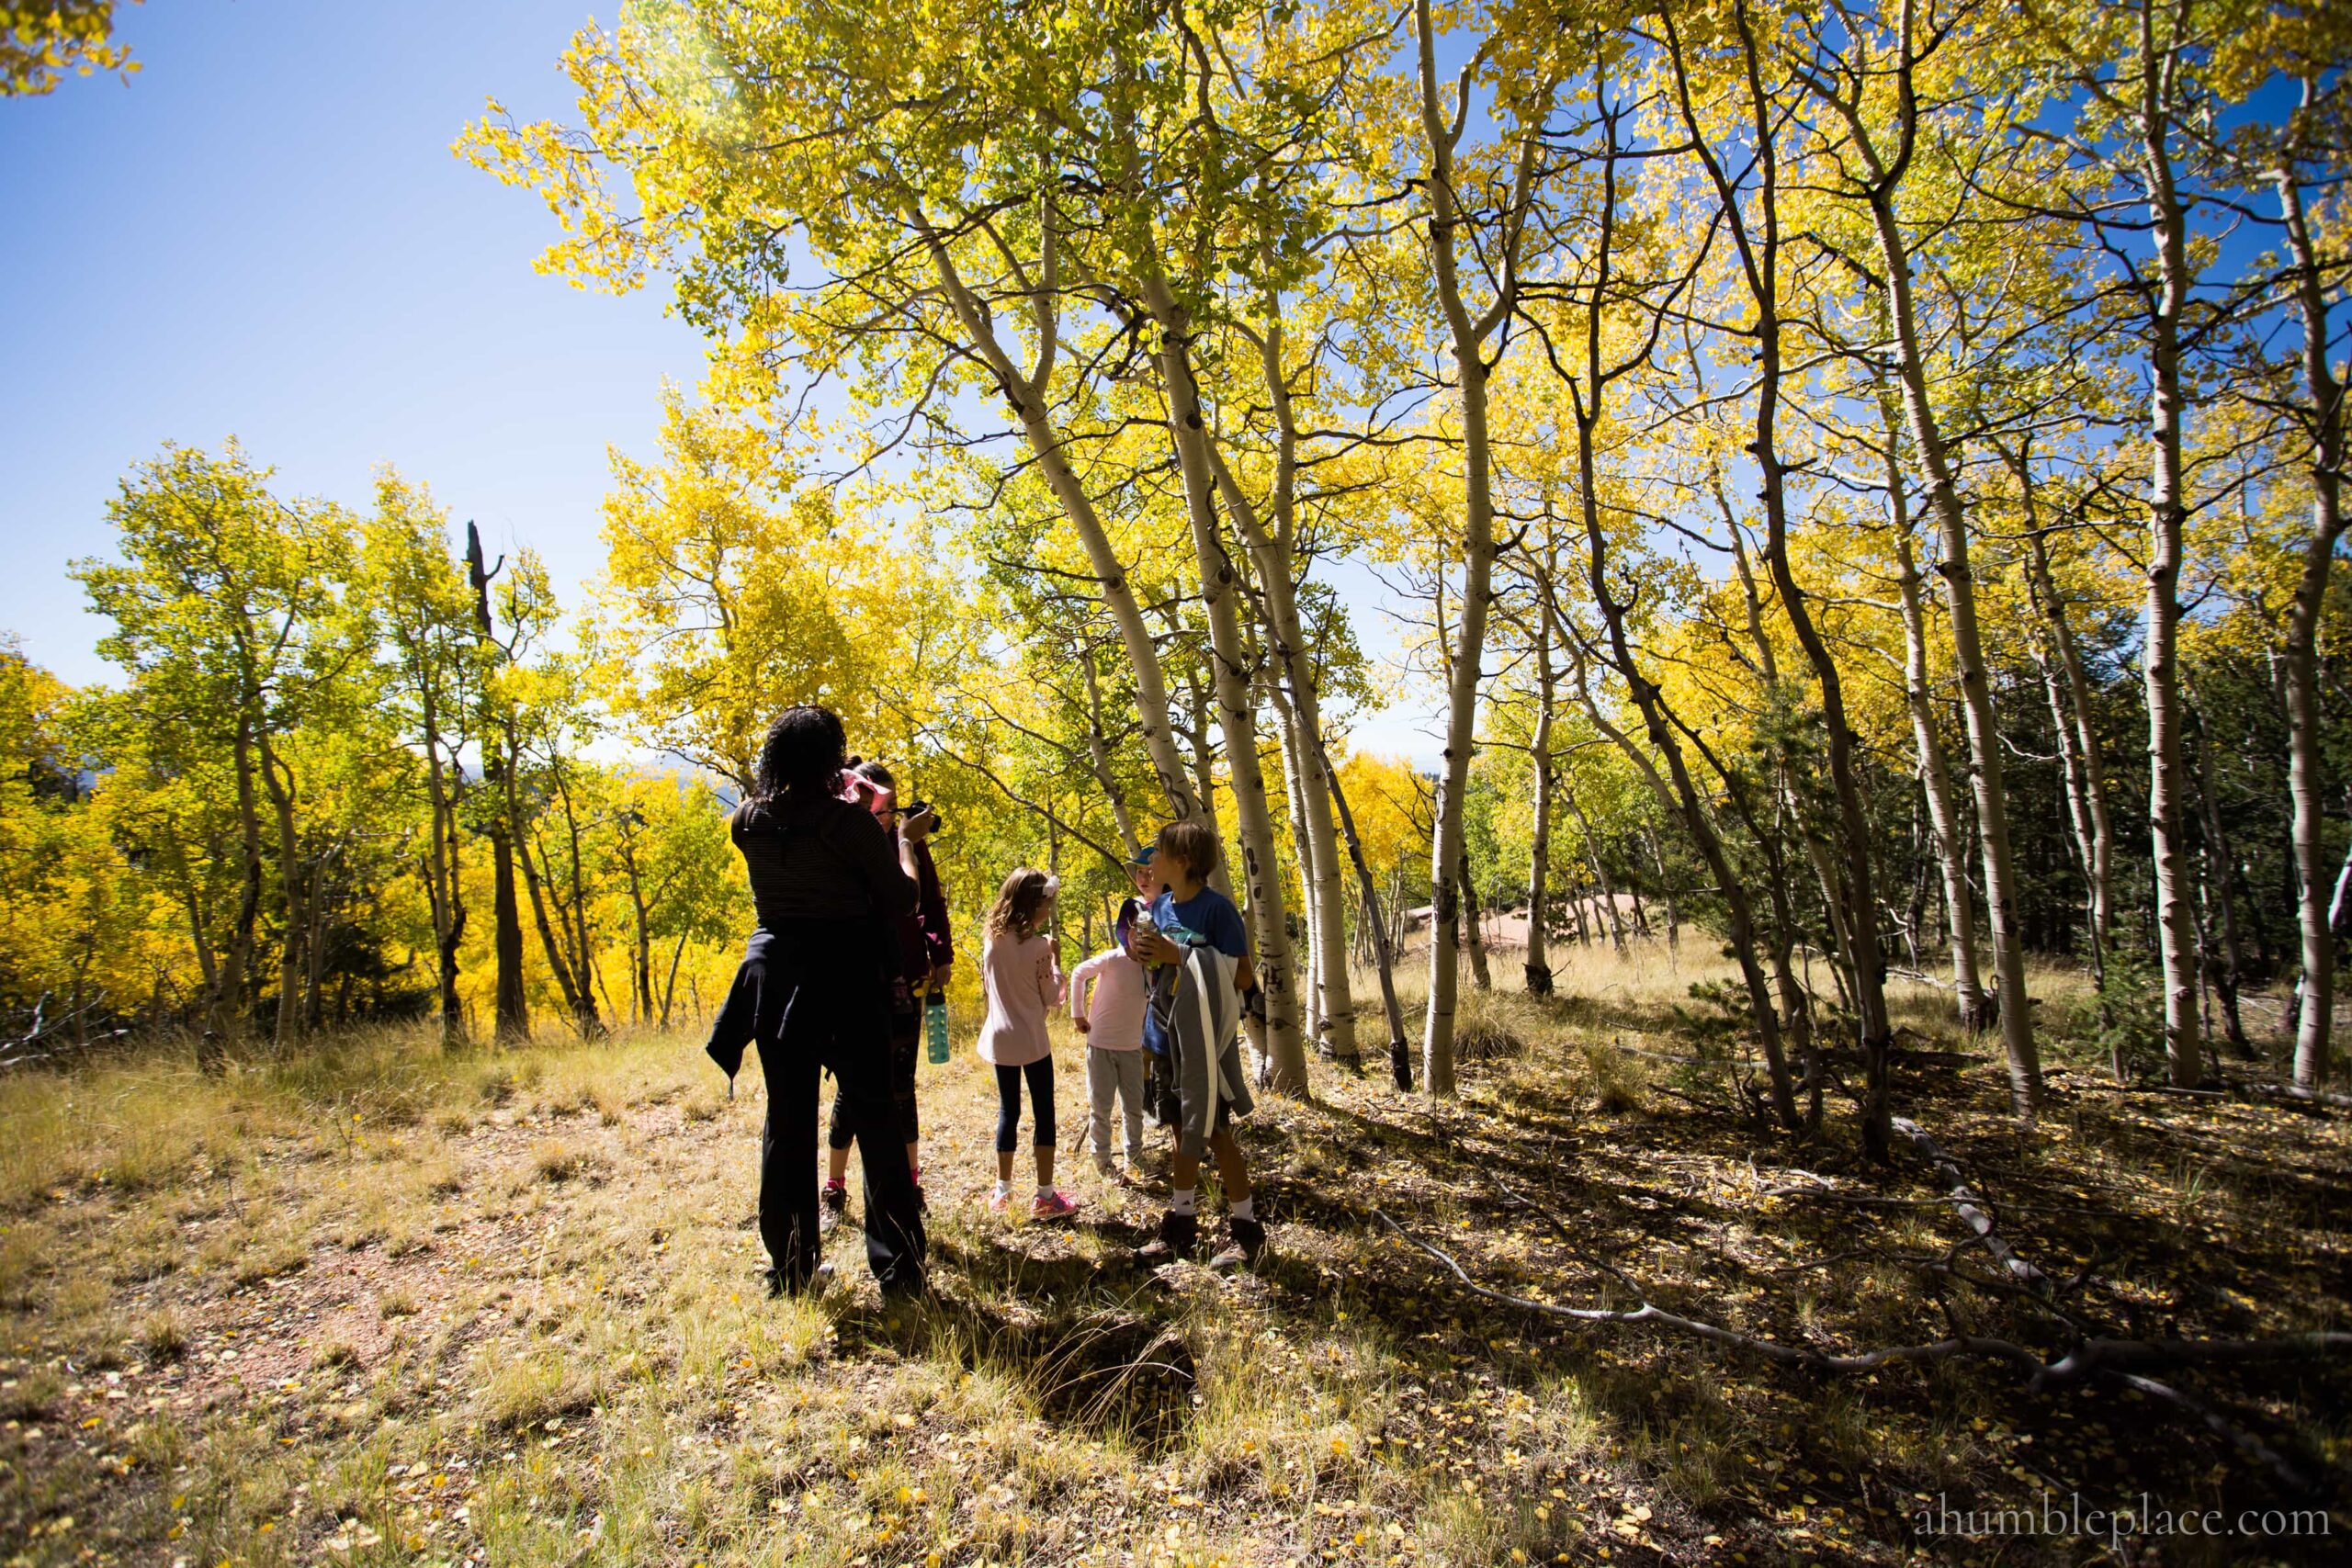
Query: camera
point(938, 823)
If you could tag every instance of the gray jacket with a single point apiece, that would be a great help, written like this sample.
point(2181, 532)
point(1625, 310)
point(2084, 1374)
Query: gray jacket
point(1205, 1037)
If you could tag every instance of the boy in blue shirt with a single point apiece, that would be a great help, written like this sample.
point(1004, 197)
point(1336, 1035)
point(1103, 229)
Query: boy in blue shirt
point(1197, 949)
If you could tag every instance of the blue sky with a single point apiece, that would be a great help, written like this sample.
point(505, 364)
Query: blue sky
point(265, 235)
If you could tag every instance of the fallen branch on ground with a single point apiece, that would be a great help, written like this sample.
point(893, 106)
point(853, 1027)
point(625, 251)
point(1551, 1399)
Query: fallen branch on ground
point(2292, 1091)
point(2090, 1355)
point(2246, 1442)
point(1965, 1201)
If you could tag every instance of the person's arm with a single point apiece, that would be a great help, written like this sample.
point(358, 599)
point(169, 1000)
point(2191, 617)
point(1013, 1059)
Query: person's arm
point(1050, 975)
point(1082, 980)
point(886, 861)
point(1233, 940)
point(938, 930)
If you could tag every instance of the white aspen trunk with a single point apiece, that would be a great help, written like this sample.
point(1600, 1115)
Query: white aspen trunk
point(1099, 754)
point(512, 1007)
point(1325, 894)
point(1682, 798)
point(1976, 690)
point(1600, 875)
point(2168, 511)
point(1196, 735)
point(1285, 1070)
point(1468, 340)
point(1796, 1001)
point(2078, 823)
point(1759, 259)
point(1666, 891)
point(2077, 738)
point(1474, 925)
point(1538, 855)
point(2305, 770)
point(1991, 799)
point(1027, 395)
point(289, 964)
point(1286, 723)
point(1376, 935)
point(1935, 770)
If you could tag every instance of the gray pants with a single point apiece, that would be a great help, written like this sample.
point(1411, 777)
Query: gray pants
point(1120, 1073)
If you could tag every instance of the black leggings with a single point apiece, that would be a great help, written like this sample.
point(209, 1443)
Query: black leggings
point(1008, 1103)
point(836, 1013)
point(905, 1045)
point(894, 1234)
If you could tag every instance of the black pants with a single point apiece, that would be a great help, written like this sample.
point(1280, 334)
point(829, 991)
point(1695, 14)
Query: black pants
point(905, 1045)
point(839, 1014)
point(1008, 1103)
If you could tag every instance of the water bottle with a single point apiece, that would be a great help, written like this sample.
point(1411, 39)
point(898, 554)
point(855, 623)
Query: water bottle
point(934, 1023)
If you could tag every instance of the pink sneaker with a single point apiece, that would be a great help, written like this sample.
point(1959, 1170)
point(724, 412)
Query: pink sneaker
point(1000, 1201)
point(1053, 1205)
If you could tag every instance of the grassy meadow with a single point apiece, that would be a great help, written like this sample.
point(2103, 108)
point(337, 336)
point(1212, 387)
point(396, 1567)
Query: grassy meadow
point(377, 1304)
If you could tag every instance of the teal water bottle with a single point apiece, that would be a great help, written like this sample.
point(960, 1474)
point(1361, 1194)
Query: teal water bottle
point(935, 1024)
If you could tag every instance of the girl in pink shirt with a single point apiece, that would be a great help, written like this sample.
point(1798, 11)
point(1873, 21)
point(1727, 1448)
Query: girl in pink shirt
point(1024, 984)
point(1108, 995)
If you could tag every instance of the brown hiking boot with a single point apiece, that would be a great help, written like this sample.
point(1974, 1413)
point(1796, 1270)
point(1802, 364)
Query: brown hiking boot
point(1245, 1241)
point(1180, 1237)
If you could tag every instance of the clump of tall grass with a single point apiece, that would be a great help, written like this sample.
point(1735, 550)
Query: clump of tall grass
point(1617, 1082)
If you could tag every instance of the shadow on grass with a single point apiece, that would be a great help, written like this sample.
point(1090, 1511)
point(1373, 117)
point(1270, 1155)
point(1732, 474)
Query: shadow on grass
point(1109, 1361)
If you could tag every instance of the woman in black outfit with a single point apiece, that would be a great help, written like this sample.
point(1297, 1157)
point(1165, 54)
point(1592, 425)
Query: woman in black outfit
point(813, 991)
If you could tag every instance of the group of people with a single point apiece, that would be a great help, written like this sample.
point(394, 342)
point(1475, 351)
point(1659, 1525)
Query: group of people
point(853, 936)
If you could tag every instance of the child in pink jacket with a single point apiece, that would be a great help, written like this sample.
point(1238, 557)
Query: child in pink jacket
point(1107, 995)
point(1024, 981)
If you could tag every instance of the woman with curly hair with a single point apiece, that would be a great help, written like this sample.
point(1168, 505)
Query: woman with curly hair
point(813, 992)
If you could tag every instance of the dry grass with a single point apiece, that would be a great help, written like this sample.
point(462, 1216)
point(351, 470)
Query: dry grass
point(389, 1305)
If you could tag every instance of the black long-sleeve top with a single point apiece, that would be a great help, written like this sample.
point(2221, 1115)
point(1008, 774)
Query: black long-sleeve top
point(818, 859)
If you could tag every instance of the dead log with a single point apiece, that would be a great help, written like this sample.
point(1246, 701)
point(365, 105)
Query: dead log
point(1965, 1203)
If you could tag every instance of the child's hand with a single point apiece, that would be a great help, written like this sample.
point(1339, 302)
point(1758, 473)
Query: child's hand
point(1083, 1025)
point(1150, 947)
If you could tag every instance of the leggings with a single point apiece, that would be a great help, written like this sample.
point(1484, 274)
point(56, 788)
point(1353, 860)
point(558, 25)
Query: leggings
point(1008, 1103)
point(894, 1234)
point(906, 1044)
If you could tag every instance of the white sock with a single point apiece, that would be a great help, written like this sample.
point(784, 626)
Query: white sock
point(1003, 1187)
point(1044, 1189)
point(1244, 1209)
point(1180, 1202)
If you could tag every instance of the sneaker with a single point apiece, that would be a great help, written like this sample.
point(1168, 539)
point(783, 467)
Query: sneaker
point(812, 1284)
point(1245, 1239)
point(1052, 1206)
point(1000, 1201)
point(1179, 1236)
point(1106, 1167)
point(833, 1203)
